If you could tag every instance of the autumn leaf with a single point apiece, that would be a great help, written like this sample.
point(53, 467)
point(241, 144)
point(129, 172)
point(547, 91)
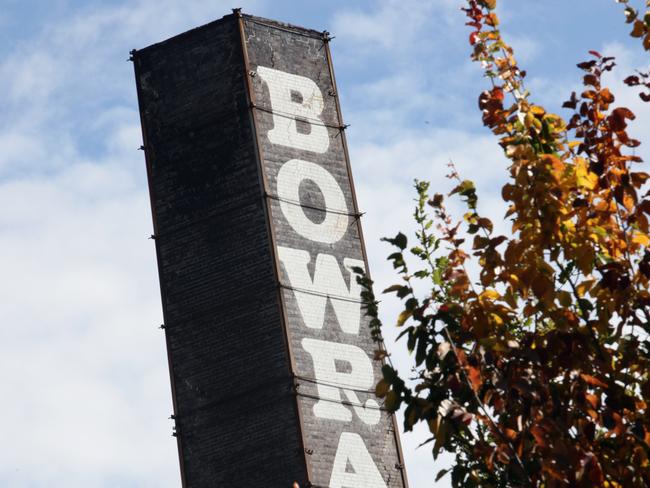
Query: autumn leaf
point(403, 317)
point(525, 364)
point(592, 380)
point(474, 377)
point(617, 120)
point(490, 4)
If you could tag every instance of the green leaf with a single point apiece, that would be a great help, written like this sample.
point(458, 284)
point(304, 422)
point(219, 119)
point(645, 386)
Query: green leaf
point(389, 374)
point(464, 188)
point(437, 276)
point(381, 390)
point(421, 350)
point(399, 240)
point(411, 304)
point(358, 270)
point(441, 473)
point(417, 251)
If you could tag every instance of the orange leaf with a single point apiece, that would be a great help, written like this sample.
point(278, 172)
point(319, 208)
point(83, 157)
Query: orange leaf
point(639, 178)
point(539, 435)
point(491, 4)
point(592, 380)
point(638, 30)
point(510, 434)
point(592, 399)
point(475, 377)
point(606, 95)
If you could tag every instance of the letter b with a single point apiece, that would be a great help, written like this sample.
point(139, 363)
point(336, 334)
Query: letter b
point(307, 106)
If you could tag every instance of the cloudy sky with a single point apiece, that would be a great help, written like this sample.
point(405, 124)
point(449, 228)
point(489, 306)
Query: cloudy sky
point(83, 367)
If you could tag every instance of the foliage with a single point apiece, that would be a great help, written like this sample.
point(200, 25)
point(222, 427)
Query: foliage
point(537, 374)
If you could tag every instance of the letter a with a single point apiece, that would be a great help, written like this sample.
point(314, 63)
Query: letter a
point(353, 452)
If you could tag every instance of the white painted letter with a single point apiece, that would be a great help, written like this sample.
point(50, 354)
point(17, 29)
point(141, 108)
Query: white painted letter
point(353, 452)
point(308, 108)
point(330, 381)
point(328, 282)
point(330, 230)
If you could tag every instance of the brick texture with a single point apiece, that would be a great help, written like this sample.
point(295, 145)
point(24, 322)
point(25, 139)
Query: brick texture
point(235, 410)
point(244, 344)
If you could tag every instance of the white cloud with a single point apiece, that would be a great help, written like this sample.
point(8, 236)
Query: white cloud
point(81, 354)
point(79, 349)
point(526, 48)
point(393, 27)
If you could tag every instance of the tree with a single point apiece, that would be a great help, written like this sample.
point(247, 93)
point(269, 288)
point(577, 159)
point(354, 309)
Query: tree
point(537, 373)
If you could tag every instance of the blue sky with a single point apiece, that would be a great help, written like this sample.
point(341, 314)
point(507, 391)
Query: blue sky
point(82, 365)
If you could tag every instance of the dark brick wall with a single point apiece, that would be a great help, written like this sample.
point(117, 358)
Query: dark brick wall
point(304, 52)
point(244, 408)
point(235, 410)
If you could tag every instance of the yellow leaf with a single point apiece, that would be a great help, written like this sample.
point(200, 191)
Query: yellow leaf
point(584, 177)
point(496, 319)
point(641, 239)
point(537, 110)
point(489, 295)
point(492, 19)
point(584, 287)
point(403, 317)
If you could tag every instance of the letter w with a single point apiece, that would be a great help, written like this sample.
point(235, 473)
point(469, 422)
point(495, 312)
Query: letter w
point(328, 282)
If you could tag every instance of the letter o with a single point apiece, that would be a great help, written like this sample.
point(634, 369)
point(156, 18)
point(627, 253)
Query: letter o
point(330, 230)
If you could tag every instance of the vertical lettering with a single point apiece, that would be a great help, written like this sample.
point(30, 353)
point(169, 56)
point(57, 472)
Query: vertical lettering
point(343, 373)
